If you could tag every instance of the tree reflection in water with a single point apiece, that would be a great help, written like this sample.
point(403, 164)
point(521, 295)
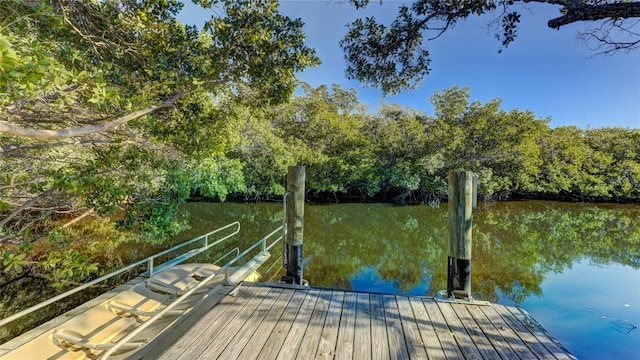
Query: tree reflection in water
point(403, 249)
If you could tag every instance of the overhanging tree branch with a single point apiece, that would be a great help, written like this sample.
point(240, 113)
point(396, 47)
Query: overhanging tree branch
point(393, 57)
point(20, 147)
point(612, 36)
point(24, 206)
point(9, 129)
point(584, 12)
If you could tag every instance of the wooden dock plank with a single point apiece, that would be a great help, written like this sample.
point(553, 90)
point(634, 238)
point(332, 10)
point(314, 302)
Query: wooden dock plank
point(558, 351)
point(272, 322)
point(379, 339)
point(194, 335)
point(511, 337)
point(276, 339)
point(312, 336)
point(499, 343)
point(464, 340)
point(293, 338)
point(397, 345)
point(444, 333)
point(346, 332)
point(362, 340)
point(246, 332)
point(259, 338)
point(427, 333)
point(523, 333)
point(220, 337)
point(479, 338)
point(413, 339)
point(329, 337)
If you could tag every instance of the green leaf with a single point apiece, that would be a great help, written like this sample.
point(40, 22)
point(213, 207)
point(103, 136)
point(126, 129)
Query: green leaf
point(14, 262)
point(15, 74)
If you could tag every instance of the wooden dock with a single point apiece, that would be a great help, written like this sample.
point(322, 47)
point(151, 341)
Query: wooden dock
point(263, 321)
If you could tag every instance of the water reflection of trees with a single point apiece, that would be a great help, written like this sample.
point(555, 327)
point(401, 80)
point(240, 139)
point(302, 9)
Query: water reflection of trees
point(342, 240)
point(541, 237)
point(516, 244)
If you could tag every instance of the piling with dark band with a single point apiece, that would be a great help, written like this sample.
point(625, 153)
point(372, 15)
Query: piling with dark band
point(294, 265)
point(460, 223)
point(295, 224)
point(459, 277)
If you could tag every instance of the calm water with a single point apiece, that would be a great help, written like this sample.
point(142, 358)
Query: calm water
point(574, 267)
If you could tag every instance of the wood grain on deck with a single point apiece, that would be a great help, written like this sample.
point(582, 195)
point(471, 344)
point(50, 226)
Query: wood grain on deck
point(265, 322)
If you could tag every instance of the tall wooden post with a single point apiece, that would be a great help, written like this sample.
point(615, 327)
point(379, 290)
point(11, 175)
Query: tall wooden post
point(295, 224)
point(460, 221)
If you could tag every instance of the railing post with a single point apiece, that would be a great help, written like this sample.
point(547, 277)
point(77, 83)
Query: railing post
point(295, 224)
point(460, 222)
point(150, 267)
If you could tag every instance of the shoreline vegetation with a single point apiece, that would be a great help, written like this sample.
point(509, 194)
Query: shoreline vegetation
point(401, 155)
point(401, 197)
point(230, 151)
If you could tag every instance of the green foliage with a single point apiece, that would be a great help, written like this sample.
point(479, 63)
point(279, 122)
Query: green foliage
point(394, 57)
point(261, 47)
point(71, 65)
point(60, 262)
point(482, 138)
point(616, 158)
point(13, 262)
point(327, 136)
point(388, 62)
point(217, 177)
point(401, 154)
point(594, 163)
point(68, 264)
point(201, 126)
point(263, 153)
point(138, 186)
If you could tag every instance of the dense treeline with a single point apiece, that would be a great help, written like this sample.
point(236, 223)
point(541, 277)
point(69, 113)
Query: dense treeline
point(404, 155)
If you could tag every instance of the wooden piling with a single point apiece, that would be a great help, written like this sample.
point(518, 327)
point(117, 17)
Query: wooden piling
point(295, 223)
point(460, 223)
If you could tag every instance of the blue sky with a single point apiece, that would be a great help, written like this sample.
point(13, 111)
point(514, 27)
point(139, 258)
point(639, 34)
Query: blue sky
point(547, 71)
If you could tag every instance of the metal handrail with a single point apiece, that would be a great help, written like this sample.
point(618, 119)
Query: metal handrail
point(148, 260)
point(285, 258)
point(193, 252)
point(169, 307)
point(234, 250)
